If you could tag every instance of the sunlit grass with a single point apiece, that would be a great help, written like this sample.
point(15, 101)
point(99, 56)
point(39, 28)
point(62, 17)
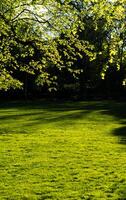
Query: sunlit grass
point(62, 151)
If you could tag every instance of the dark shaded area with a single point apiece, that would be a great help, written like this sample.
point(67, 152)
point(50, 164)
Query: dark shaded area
point(121, 133)
point(40, 113)
point(88, 85)
point(118, 110)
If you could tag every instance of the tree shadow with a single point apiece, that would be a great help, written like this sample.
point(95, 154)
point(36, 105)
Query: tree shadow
point(121, 134)
point(41, 112)
point(30, 114)
point(118, 110)
point(53, 105)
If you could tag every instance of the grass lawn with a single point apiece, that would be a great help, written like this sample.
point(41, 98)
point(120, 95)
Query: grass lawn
point(60, 151)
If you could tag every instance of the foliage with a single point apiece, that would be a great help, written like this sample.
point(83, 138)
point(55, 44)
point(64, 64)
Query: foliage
point(72, 35)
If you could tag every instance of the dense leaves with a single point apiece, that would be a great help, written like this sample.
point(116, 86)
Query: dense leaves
point(85, 39)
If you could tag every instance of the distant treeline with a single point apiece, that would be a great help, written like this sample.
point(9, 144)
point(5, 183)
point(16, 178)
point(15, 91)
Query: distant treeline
point(109, 88)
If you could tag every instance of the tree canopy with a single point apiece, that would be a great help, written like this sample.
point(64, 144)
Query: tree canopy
point(43, 38)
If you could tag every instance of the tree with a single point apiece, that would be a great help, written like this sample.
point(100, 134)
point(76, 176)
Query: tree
point(101, 23)
point(46, 38)
point(26, 36)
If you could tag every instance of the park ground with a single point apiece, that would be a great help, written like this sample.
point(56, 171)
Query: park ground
point(63, 150)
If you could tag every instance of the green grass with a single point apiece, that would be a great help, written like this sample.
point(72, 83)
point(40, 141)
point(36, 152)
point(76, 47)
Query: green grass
point(60, 151)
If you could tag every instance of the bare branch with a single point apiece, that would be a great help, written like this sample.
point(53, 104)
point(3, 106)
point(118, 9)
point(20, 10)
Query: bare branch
point(18, 15)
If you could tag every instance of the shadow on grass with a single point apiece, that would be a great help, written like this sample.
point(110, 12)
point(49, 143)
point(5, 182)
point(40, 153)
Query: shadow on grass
point(118, 110)
point(121, 133)
point(30, 113)
point(35, 113)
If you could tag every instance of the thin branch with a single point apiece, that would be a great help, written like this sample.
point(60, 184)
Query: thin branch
point(22, 5)
point(18, 15)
